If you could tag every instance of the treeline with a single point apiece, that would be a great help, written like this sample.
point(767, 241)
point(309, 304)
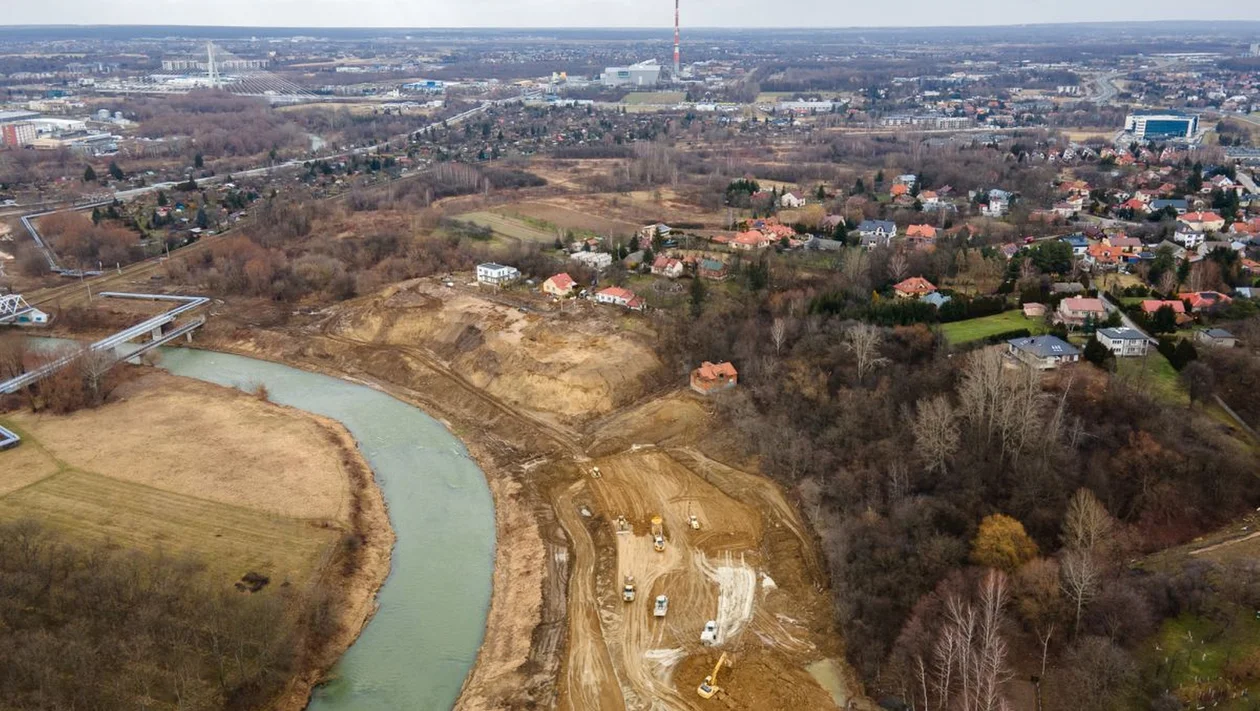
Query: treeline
point(901, 450)
point(100, 628)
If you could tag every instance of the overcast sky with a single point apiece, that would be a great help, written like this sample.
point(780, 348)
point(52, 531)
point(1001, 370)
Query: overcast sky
point(608, 13)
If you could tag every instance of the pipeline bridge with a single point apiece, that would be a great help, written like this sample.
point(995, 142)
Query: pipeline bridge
point(160, 329)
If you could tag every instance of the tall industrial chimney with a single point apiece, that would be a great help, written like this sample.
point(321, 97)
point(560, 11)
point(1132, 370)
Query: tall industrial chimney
point(677, 41)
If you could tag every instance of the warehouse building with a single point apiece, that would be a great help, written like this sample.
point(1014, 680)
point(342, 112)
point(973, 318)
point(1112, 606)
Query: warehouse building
point(644, 74)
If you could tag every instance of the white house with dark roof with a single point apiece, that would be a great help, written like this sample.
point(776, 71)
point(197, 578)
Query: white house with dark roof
point(1043, 352)
point(1124, 342)
point(497, 274)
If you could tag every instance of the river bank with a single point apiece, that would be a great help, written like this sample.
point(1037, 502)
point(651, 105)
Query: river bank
point(519, 657)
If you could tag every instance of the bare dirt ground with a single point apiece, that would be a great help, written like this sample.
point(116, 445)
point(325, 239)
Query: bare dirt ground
point(182, 466)
point(540, 398)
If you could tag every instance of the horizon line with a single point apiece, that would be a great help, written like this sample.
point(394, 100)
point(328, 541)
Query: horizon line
point(400, 28)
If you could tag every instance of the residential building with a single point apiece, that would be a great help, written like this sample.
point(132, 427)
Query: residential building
point(559, 285)
point(599, 261)
point(1188, 238)
point(1078, 243)
point(751, 240)
point(497, 274)
point(1043, 352)
point(1123, 341)
point(1216, 337)
point(921, 236)
point(1076, 311)
point(620, 297)
point(1147, 125)
point(1180, 206)
point(791, 200)
point(913, 288)
point(667, 267)
point(1203, 221)
point(713, 269)
point(877, 233)
point(1204, 300)
point(710, 378)
point(17, 135)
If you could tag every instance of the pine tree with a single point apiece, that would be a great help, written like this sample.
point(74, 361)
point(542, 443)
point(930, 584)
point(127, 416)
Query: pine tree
point(89, 175)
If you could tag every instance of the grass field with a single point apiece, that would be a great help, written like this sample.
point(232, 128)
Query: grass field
point(183, 467)
point(509, 228)
point(1155, 374)
point(654, 98)
point(1195, 654)
point(980, 328)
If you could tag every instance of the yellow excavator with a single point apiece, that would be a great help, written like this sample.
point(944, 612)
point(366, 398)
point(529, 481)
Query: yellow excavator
point(709, 687)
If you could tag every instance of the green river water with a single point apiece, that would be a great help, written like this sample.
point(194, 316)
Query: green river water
point(424, 639)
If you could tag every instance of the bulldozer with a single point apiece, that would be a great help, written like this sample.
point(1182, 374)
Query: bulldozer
point(709, 687)
point(658, 534)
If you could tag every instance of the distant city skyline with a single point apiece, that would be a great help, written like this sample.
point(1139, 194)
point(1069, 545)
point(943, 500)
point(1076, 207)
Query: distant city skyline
point(605, 13)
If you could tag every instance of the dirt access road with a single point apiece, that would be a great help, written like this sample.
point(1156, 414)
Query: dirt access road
point(558, 633)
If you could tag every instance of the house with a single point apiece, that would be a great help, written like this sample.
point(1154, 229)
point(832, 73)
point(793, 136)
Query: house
point(913, 288)
point(1188, 238)
point(1203, 221)
point(1216, 337)
point(559, 285)
point(667, 267)
point(1075, 311)
point(1078, 243)
point(921, 236)
point(1150, 306)
point(599, 261)
point(497, 274)
point(1032, 310)
point(620, 297)
point(710, 378)
point(1103, 256)
point(713, 269)
point(1123, 342)
point(1126, 244)
point(877, 233)
point(1043, 352)
point(791, 201)
point(751, 240)
point(930, 199)
point(1204, 300)
point(651, 232)
point(819, 244)
point(1179, 206)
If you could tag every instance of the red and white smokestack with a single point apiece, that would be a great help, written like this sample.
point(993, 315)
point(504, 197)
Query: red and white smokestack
point(677, 43)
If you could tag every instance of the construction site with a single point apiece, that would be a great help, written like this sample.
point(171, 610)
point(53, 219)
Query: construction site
point(639, 563)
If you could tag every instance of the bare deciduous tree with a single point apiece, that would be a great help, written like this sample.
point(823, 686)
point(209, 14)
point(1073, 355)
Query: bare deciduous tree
point(898, 266)
point(1086, 526)
point(864, 341)
point(778, 334)
point(1080, 576)
point(936, 432)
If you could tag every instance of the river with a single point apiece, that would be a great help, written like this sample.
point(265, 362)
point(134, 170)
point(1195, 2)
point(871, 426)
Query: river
point(424, 639)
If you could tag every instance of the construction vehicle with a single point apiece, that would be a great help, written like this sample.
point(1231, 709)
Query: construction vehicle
point(623, 526)
point(595, 473)
point(662, 606)
point(695, 523)
point(708, 636)
point(709, 687)
point(658, 534)
point(627, 590)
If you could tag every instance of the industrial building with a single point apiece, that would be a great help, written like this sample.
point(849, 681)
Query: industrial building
point(1162, 124)
point(642, 75)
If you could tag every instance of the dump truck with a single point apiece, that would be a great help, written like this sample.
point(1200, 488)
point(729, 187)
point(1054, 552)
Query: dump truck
point(709, 687)
point(658, 534)
point(708, 636)
point(695, 523)
point(662, 606)
point(627, 590)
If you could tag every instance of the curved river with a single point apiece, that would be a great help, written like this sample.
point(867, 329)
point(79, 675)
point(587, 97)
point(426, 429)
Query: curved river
point(424, 639)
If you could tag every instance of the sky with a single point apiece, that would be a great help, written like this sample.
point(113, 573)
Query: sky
point(608, 13)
